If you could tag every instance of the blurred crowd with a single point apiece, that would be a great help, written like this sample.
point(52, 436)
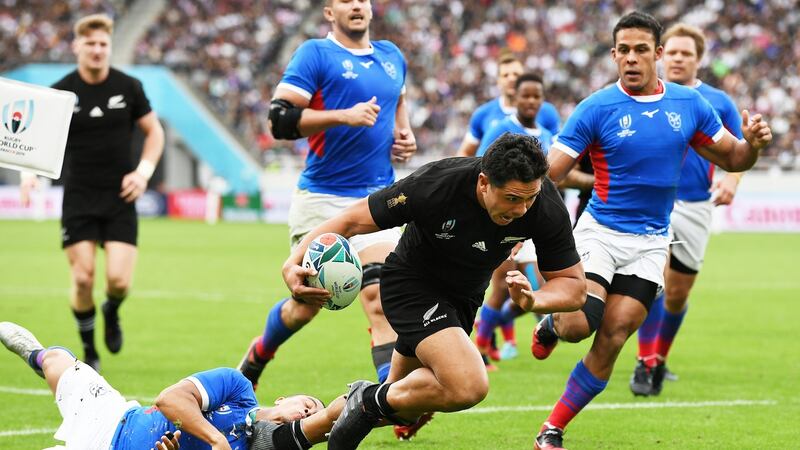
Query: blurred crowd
point(227, 50)
point(41, 30)
point(233, 51)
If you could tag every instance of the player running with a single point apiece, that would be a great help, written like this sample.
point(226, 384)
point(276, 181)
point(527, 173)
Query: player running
point(101, 184)
point(346, 93)
point(690, 218)
point(636, 131)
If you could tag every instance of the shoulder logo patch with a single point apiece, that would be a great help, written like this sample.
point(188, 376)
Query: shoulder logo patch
point(399, 200)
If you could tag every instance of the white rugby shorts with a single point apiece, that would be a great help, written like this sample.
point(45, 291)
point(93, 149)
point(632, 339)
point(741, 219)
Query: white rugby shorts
point(91, 409)
point(691, 230)
point(309, 209)
point(606, 252)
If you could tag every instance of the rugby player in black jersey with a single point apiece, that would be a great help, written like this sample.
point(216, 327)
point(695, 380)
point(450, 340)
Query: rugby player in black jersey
point(464, 216)
point(101, 182)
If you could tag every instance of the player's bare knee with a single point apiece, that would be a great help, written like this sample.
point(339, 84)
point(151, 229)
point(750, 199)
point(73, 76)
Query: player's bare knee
point(83, 280)
point(468, 394)
point(118, 284)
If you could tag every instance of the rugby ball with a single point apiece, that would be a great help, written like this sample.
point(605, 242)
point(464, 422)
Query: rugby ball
point(338, 269)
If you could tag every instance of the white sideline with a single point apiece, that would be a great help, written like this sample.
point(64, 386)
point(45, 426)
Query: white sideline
point(28, 432)
point(643, 405)
point(483, 410)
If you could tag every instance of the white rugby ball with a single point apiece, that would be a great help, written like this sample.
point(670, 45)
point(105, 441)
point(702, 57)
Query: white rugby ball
point(338, 269)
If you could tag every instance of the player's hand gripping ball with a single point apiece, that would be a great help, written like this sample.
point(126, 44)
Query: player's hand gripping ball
point(338, 269)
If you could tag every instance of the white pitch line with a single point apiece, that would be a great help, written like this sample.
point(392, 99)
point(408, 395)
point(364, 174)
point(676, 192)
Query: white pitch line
point(27, 432)
point(647, 405)
point(46, 393)
point(484, 410)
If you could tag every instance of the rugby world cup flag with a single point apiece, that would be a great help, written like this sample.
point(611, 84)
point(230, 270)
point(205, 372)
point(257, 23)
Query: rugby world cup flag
point(35, 123)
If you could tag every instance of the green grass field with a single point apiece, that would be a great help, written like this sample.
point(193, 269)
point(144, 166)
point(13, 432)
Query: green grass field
point(201, 292)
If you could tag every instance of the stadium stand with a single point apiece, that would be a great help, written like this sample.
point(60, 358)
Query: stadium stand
point(232, 51)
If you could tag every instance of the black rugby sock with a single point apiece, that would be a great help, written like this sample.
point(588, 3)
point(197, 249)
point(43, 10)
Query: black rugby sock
point(290, 436)
point(85, 321)
point(375, 401)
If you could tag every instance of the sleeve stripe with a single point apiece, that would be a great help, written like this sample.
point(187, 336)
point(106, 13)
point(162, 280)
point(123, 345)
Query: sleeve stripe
point(295, 89)
point(718, 135)
point(203, 392)
point(559, 146)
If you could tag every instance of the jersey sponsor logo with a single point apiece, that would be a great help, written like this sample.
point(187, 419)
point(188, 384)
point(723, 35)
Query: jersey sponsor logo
point(510, 239)
point(367, 64)
point(348, 67)
point(674, 120)
point(428, 318)
point(224, 409)
point(18, 115)
point(390, 70)
point(625, 123)
point(96, 112)
point(399, 200)
point(480, 245)
point(116, 102)
point(650, 114)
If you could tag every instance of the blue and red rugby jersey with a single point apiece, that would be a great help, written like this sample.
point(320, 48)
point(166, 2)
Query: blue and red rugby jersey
point(637, 145)
point(698, 173)
point(348, 161)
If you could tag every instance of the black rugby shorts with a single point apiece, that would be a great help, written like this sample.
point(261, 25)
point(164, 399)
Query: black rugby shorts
point(97, 214)
point(416, 309)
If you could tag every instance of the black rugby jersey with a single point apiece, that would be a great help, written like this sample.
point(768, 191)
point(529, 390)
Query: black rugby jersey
point(450, 238)
point(98, 150)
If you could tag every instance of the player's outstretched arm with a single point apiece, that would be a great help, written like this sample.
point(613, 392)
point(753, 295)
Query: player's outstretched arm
point(356, 219)
point(180, 403)
point(298, 120)
point(738, 155)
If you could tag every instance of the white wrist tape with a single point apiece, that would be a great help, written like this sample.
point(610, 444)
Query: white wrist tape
point(146, 169)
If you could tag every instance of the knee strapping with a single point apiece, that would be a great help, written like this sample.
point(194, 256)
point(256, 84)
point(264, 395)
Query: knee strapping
point(371, 274)
point(593, 309)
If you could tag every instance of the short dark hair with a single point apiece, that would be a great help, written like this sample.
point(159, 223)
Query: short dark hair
point(528, 76)
point(638, 19)
point(514, 157)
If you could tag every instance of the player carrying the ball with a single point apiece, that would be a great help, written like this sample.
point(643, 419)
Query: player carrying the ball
point(463, 216)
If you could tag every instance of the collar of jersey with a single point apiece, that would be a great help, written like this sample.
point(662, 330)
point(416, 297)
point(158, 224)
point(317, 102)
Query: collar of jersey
point(535, 132)
point(644, 98)
point(507, 110)
point(355, 51)
point(697, 83)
